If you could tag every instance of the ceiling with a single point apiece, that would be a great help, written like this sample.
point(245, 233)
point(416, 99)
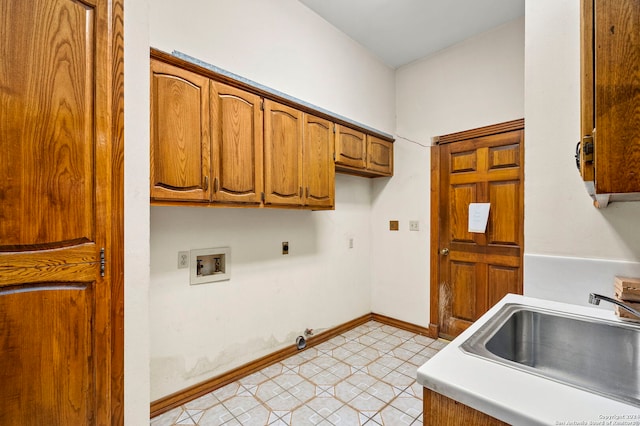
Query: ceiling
point(401, 31)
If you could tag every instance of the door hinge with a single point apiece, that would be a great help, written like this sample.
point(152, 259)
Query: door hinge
point(102, 262)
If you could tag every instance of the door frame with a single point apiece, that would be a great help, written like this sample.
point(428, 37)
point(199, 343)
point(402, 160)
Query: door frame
point(434, 258)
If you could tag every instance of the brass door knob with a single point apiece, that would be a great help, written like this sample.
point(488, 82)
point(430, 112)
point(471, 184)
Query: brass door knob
point(444, 251)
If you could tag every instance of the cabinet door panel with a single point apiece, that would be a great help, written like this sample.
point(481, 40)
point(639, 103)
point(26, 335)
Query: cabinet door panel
point(236, 157)
point(283, 154)
point(180, 142)
point(351, 147)
point(319, 172)
point(380, 155)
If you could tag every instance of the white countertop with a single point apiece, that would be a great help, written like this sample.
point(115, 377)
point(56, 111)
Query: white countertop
point(515, 396)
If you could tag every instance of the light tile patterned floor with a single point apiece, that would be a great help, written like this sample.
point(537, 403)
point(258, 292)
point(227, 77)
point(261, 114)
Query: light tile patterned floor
point(365, 376)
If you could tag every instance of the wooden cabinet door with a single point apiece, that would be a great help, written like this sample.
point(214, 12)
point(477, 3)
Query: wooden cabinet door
point(379, 155)
point(351, 147)
point(319, 171)
point(180, 135)
point(236, 156)
point(61, 211)
point(477, 269)
point(282, 154)
point(617, 96)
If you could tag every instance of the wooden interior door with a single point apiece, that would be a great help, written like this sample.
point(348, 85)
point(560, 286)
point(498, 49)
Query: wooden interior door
point(61, 246)
point(473, 271)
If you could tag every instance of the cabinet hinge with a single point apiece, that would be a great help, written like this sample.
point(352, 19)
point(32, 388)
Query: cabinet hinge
point(587, 148)
point(262, 196)
point(102, 262)
point(334, 128)
point(262, 105)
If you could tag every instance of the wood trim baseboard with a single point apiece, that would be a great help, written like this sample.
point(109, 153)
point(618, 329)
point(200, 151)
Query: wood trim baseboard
point(183, 396)
point(403, 325)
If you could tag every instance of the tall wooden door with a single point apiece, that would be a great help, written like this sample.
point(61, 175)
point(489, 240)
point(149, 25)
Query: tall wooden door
point(61, 210)
point(472, 271)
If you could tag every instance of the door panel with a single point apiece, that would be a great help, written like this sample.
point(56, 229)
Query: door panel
point(475, 270)
point(504, 226)
point(236, 157)
point(351, 147)
point(319, 171)
point(180, 141)
point(60, 211)
point(380, 155)
point(283, 154)
point(56, 318)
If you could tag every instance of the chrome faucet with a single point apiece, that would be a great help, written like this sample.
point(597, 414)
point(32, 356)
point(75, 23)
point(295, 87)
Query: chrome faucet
point(594, 299)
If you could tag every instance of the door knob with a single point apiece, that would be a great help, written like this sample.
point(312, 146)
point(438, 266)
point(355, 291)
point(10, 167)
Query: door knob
point(444, 251)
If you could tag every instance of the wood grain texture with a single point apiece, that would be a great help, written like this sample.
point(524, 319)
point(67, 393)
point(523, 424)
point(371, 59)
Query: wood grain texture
point(180, 134)
point(237, 145)
point(283, 154)
point(483, 168)
point(617, 96)
point(379, 156)
point(170, 59)
point(351, 147)
point(438, 410)
point(116, 259)
point(61, 137)
point(587, 119)
point(318, 169)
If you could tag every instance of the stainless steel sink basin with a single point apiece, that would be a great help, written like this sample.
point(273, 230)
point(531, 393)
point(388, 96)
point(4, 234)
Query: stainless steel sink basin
point(588, 353)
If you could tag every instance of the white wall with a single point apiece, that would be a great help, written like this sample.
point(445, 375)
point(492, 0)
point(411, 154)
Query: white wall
point(475, 83)
point(198, 332)
point(571, 248)
point(136, 178)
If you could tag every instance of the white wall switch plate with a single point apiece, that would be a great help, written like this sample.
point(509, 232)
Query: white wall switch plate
point(414, 225)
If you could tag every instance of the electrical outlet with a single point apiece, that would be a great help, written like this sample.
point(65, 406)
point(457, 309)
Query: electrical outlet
point(183, 259)
point(285, 247)
point(414, 225)
point(350, 243)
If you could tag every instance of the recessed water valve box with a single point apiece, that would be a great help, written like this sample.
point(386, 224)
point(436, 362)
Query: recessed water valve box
point(210, 265)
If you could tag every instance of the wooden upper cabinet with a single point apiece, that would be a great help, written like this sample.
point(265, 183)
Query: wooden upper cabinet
point(180, 134)
point(216, 140)
point(379, 155)
point(283, 154)
point(351, 147)
point(319, 170)
point(236, 160)
point(362, 154)
point(610, 100)
point(298, 158)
